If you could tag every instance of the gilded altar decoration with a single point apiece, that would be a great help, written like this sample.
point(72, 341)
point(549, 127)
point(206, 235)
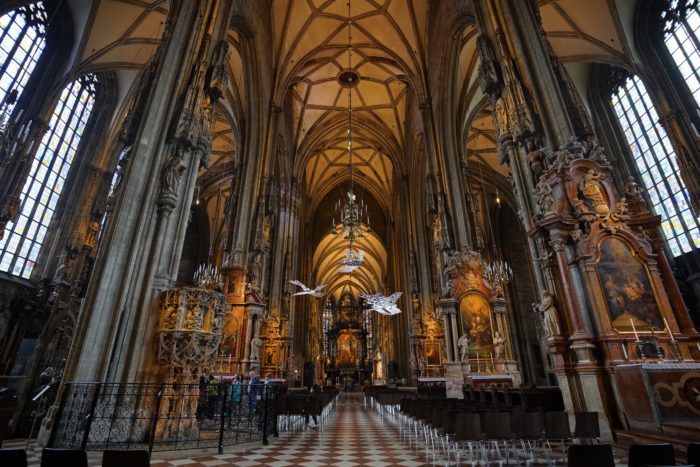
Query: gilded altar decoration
point(475, 313)
point(627, 289)
point(432, 354)
point(348, 348)
point(270, 357)
point(592, 192)
point(190, 328)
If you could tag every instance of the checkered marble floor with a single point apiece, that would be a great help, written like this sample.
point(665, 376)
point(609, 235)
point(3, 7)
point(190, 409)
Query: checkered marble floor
point(350, 436)
point(353, 435)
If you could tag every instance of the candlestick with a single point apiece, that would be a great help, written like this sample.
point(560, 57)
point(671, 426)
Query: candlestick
point(477, 362)
point(493, 366)
point(634, 330)
point(670, 334)
point(698, 346)
point(624, 350)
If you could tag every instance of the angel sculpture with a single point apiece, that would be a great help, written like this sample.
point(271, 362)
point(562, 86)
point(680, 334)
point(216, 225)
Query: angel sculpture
point(383, 305)
point(315, 292)
point(351, 262)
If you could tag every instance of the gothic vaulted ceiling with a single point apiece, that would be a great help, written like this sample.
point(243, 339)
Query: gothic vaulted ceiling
point(311, 51)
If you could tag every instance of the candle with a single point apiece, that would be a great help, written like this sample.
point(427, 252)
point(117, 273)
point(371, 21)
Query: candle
point(624, 350)
point(492, 364)
point(634, 330)
point(19, 115)
point(670, 334)
point(477, 362)
point(698, 346)
point(229, 362)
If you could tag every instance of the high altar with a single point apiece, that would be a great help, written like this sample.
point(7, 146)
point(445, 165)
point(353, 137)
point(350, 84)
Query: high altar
point(349, 341)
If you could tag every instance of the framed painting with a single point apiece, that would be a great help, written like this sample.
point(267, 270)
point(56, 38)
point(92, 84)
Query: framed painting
point(475, 314)
point(432, 354)
point(229, 343)
point(627, 288)
point(269, 356)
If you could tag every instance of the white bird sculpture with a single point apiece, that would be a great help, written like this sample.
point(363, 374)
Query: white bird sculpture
point(351, 262)
point(315, 292)
point(383, 305)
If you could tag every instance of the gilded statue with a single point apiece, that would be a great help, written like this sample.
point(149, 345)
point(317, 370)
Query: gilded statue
point(591, 189)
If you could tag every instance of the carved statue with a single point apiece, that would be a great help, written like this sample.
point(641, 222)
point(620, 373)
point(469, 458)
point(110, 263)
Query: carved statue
point(412, 362)
point(545, 198)
point(463, 344)
point(635, 196)
point(550, 317)
point(255, 344)
point(592, 191)
point(498, 345)
point(172, 172)
point(536, 160)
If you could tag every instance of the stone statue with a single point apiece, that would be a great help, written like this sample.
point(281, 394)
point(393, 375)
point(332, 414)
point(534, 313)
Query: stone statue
point(550, 317)
point(255, 344)
point(412, 362)
point(172, 172)
point(536, 160)
point(635, 196)
point(592, 191)
point(543, 193)
point(498, 345)
point(463, 344)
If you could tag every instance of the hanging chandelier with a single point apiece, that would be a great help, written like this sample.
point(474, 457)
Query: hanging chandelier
point(497, 271)
point(352, 215)
point(207, 275)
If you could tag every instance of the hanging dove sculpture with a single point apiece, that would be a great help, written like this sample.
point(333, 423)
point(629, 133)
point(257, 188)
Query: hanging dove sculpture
point(383, 305)
point(351, 262)
point(315, 292)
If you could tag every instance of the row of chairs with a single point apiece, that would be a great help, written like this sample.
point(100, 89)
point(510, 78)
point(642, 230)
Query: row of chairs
point(454, 428)
point(640, 455)
point(294, 409)
point(74, 458)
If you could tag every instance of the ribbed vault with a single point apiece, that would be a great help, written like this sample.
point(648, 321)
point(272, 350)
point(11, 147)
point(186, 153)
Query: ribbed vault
point(366, 279)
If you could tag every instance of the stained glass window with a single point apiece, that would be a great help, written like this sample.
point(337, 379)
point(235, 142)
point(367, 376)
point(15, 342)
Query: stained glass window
point(681, 21)
point(20, 245)
point(21, 43)
point(327, 322)
point(656, 161)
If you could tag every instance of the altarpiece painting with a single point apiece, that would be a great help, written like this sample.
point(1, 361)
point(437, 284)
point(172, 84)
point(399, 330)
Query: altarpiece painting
point(627, 289)
point(475, 313)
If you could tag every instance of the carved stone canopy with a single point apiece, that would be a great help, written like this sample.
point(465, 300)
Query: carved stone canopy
point(190, 327)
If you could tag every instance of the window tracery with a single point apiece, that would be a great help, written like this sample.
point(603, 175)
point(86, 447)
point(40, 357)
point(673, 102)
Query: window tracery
point(22, 39)
point(681, 36)
point(657, 164)
point(22, 241)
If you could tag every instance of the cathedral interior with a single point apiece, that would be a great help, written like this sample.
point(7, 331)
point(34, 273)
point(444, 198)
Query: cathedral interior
point(354, 193)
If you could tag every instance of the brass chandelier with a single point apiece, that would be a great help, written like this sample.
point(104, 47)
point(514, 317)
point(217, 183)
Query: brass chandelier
point(352, 215)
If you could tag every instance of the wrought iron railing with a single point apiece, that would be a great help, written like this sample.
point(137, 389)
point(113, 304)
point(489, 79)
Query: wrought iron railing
point(163, 417)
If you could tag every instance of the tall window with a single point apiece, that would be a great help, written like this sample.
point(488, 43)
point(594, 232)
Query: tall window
point(20, 245)
point(681, 21)
point(21, 43)
point(657, 165)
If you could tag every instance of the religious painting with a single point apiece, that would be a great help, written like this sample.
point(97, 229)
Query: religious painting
point(348, 348)
point(269, 356)
point(229, 343)
point(475, 313)
point(432, 354)
point(627, 289)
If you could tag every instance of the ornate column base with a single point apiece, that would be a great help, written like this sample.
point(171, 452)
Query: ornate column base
point(455, 373)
